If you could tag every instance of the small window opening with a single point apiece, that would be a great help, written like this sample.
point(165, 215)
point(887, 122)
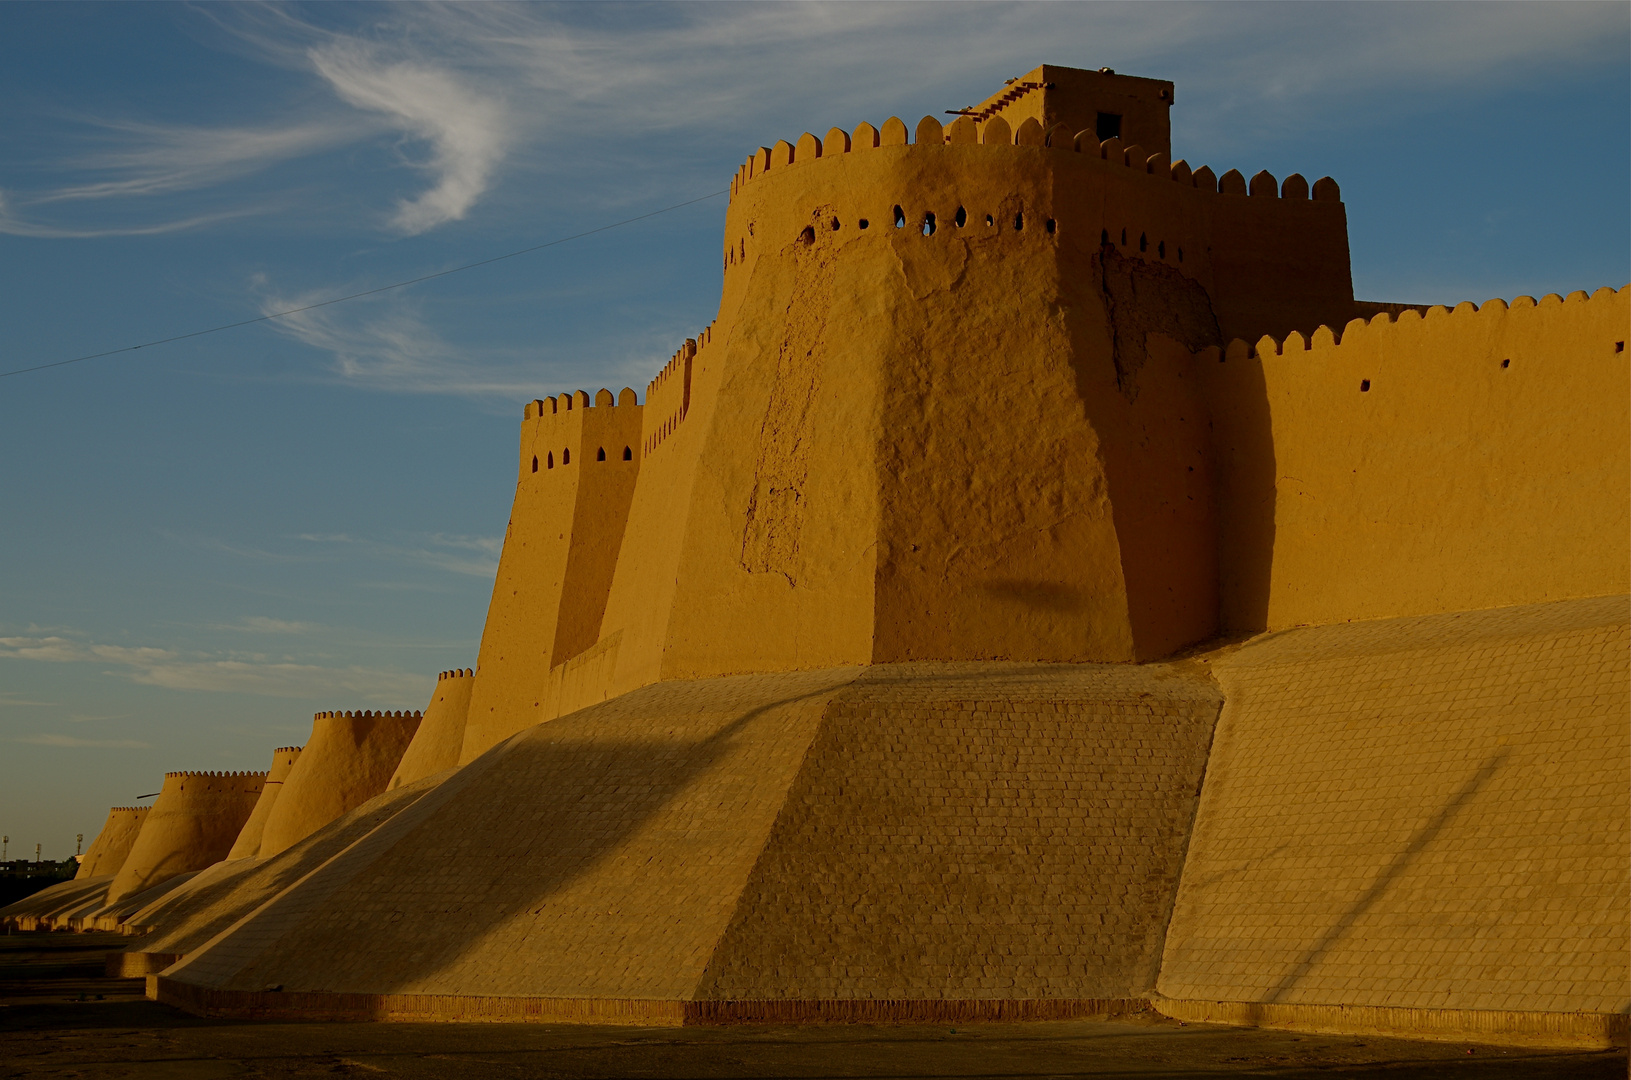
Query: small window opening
point(961, 218)
point(1143, 241)
point(834, 224)
point(1108, 126)
point(628, 453)
point(928, 223)
point(807, 237)
point(1619, 346)
point(1019, 221)
point(863, 223)
point(535, 463)
point(1050, 225)
point(1364, 385)
point(1161, 249)
point(1180, 254)
point(989, 220)
point(566, 457)
point(1124, 238)
point(549, 460)
point(1507, 362)
point(900, 218)
point(600, 455)
point(1104, 236)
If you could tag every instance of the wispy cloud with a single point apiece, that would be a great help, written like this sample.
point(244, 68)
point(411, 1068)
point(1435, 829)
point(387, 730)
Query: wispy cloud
point(47, 739)
point(468, 132)
point(476, 556)
point(12, 224)
point(175, 670)
point(261, 624)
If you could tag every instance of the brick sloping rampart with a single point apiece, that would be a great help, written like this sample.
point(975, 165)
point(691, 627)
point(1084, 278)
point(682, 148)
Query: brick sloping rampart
point(1011, 835)
point(587, 868)
point(1415, 814)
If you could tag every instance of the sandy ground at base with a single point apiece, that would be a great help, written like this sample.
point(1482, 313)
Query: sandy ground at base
point(60, 1017)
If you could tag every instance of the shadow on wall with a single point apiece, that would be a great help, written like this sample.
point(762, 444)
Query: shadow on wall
point(576, 805)
point(1243, 456)
point(1401, 862)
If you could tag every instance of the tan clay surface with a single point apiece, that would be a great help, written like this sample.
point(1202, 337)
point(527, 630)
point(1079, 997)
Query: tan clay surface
point(1425, 813)
point(112, 845)
point(248, 844)
point(440, 736)
point(192, 824)
point(347, 761)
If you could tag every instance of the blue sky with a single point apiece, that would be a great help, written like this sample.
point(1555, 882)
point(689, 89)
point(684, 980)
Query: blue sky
point(207, 541)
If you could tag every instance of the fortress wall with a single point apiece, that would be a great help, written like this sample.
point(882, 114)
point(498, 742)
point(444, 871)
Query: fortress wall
point(349, 759)
point(192, 824)
point(440, 737)
point(112, 845)
point(611, 455)
point(518, 638)
point(1007, 832)
point(628, 830)
point(1416, 825)
point(42, 910)
point(248, 844)
point(176, 926)
point(1117, 242)
point(1436, 463)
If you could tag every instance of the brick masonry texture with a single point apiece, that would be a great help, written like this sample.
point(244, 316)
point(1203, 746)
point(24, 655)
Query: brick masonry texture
point(1421, 813)
point(994, 831)
point(1014, 836)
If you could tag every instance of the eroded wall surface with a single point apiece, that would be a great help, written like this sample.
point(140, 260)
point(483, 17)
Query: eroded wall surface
point(1426, 813)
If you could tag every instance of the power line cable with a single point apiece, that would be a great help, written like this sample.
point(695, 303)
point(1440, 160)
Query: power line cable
point(365, 292)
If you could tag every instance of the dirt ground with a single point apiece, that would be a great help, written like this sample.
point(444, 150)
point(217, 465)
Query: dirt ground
point(60, 1017)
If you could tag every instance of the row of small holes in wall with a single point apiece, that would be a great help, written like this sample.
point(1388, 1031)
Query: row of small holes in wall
point(566, 457)
point(1364, 384)
point(928, 224)
point(1143, 243)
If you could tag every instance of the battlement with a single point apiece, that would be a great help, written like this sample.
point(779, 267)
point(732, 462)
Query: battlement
point(215, 775)
point(668, 395)
point(1410, 319)
point(456, 673)
point(364, 714)
point(965, 132)
point(287, 750)
point(577, 401)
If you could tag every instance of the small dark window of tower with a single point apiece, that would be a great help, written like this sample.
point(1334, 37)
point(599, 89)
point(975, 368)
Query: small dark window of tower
point(1104, 236)
point(928, 223)
point(900, 218)
point(834, 224)
point(566, 457)
point(1050, 225)
point(962, 217)
point(535, 463)
point(1364, 385)
point(1124, 238)
point(628, 454)
point(549, 460)
point(1109, 126)
point(863, 223)
point(1161, 249)
point(989, 220)
point(807, 237)
point(1019, 221)
point(600, 455)
point(1143, 242)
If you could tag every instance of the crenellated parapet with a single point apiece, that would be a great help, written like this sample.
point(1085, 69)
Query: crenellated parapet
point(456, 673)
point(1402, 443)
point(367, 714)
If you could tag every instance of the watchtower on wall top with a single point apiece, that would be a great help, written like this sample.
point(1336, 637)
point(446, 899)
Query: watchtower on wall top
point(1125, 107)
